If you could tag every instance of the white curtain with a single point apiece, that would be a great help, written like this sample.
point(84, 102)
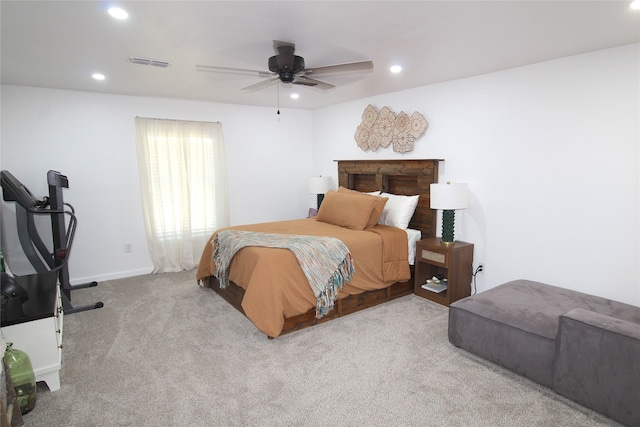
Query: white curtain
point(183, 180)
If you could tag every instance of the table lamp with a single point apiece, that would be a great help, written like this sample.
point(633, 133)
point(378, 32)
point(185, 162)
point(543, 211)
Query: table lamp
point(319, 185)
point(448, 197)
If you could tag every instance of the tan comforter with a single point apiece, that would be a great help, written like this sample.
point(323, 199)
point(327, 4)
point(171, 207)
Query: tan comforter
point(275, 285)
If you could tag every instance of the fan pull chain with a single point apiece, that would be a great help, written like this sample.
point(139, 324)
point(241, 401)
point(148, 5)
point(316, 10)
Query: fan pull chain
point(278, 90)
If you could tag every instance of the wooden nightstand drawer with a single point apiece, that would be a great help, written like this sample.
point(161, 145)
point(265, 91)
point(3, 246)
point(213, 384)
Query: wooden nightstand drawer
point(427, 255)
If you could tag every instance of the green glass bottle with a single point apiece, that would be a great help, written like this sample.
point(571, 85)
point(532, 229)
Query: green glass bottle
point(22, 376)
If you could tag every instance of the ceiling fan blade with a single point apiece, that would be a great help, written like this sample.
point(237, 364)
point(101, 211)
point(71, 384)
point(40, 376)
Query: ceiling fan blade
point(261, 84)
point(306, 81)
point(227, 70)
point(349, 67)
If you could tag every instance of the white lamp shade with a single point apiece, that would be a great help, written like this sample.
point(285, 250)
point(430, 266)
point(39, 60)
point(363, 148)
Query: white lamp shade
point(449, 196)
point(319, 184)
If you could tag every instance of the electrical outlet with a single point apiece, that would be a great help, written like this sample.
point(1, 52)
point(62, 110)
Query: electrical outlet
point(128, 248)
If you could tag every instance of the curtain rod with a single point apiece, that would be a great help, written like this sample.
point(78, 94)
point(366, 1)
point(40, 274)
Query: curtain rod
point(180, 120)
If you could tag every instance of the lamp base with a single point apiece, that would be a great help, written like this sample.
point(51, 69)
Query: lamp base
point(447, 244)
point(448, 221)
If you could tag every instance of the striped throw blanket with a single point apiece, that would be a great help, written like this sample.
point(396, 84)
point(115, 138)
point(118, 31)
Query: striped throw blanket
point(325, 261)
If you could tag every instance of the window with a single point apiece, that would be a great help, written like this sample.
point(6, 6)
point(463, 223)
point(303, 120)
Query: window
point(183, 184)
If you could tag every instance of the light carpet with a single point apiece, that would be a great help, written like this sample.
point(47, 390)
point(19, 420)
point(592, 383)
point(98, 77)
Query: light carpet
point(165, 352)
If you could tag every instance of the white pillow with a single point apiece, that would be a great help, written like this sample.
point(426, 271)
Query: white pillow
point(373, 193)
point(398, 210)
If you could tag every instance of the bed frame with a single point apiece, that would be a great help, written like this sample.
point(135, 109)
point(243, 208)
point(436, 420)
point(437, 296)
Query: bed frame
point(407, 177)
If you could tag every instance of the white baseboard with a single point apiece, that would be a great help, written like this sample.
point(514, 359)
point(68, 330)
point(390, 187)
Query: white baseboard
point(112, 276)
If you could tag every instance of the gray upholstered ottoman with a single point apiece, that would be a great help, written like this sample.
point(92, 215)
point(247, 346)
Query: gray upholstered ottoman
point(591, 355)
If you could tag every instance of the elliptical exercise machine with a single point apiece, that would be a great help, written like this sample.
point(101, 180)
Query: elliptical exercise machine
point(63, 227)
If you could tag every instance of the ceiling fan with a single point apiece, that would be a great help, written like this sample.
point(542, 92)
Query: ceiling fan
point(290, 68)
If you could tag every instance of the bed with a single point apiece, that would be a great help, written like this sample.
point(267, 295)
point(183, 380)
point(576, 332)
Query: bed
point(268, 285)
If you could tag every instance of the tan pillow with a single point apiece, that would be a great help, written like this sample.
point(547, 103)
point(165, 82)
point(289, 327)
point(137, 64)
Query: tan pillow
point(377, 208)
point(346, 210)
point(377, 211)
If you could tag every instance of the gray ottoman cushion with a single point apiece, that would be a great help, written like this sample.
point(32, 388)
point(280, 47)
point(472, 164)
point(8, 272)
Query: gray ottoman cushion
point(598, 364)
point(515, 324)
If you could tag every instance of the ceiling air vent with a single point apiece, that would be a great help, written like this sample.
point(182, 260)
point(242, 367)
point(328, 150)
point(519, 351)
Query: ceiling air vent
point(146, 61)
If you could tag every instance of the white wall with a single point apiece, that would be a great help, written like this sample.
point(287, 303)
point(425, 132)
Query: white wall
point(551, 155)
point(90, 138)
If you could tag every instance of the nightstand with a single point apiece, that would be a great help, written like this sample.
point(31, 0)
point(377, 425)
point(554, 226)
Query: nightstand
point(453, 262)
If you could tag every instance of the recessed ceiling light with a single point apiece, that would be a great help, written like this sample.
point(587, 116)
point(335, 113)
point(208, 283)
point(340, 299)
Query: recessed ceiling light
point(295, 96)
point(98, 76)
point(635, 5)
point(395, 68)
point(118, 13)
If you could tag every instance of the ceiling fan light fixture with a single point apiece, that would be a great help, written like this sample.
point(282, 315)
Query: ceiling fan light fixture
point(286, 76)
point(395, 69)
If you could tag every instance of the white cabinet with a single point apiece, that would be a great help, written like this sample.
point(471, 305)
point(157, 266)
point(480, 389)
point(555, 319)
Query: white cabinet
point(39, 332)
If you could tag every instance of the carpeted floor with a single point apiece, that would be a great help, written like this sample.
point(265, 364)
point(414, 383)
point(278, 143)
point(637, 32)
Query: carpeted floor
point(164, 352)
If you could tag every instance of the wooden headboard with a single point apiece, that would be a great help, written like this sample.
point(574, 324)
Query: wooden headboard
point(406, 177)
